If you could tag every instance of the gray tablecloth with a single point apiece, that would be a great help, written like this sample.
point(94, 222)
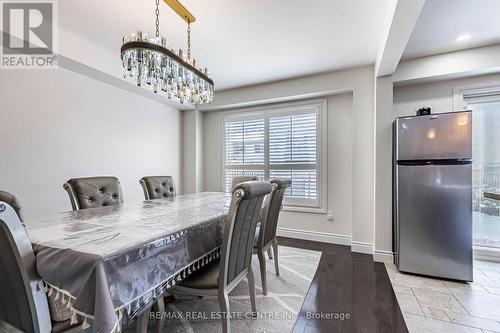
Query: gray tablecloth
point(107, 263)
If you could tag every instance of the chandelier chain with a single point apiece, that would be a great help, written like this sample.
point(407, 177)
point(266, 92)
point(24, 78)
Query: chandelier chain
point(157, 12)
point(189, 40)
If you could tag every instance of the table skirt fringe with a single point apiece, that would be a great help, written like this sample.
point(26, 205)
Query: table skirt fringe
point(131, 309)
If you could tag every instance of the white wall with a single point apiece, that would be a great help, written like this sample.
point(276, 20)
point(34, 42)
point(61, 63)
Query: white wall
point(200, 170)
point(383, 168)
point(212, 151)
point(188, 152)
point(438, 95)
point(451, 65)
point(351, 185)
point(192, 152)
point(56, 124)
point(339, 170)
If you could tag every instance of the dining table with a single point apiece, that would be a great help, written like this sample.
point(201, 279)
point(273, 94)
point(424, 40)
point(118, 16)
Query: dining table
point(108, 265)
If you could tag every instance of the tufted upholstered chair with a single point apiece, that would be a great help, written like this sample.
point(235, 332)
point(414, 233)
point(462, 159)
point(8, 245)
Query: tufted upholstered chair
point(240, 179)
point(23, 303)
point(265, 234)
point(94, 192)
point(157, 187)
point(220, 277)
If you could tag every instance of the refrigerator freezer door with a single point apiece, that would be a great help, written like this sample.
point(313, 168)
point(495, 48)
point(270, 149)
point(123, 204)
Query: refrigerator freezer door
point(434, 216)
point(438, 136)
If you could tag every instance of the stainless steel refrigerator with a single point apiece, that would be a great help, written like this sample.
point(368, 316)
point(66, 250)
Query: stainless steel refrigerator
point(432, 195)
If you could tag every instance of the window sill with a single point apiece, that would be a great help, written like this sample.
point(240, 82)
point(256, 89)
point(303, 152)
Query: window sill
point(302, 209)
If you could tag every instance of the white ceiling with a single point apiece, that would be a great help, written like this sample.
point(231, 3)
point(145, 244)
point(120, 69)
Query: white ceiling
point(244, 42)
point(442, 21)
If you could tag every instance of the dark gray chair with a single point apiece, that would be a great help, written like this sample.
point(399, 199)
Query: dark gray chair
point(265, 234)
point(12, 201)
point(93, 192)
point(220, 277)
point(241, 179)
point(23, 303)
point(157, 187)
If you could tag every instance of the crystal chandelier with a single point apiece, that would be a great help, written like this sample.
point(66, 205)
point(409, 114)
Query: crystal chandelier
point(148, 61)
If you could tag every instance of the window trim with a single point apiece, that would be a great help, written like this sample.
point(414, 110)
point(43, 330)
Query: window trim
point(460, 93)
point(321, 141)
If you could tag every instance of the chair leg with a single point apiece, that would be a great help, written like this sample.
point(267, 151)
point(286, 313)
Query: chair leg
point(224, 308)
point(160, 308)
point(251, 289)
point(275, 250)
point(269, 253)
point(142, 322)
point(262, 262)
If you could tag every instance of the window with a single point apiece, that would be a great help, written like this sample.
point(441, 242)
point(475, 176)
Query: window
point(284, 142)
point(245, 143)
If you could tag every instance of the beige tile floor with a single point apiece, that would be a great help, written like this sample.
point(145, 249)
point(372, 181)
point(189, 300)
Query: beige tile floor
point(434, 305)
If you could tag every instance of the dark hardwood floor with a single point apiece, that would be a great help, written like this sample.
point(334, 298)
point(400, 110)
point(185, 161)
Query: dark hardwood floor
point(349, 287)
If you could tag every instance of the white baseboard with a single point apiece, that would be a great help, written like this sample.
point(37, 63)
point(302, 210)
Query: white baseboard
point(324, 237)
point(383, 256)
point(315, 236)
point(361, 247)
